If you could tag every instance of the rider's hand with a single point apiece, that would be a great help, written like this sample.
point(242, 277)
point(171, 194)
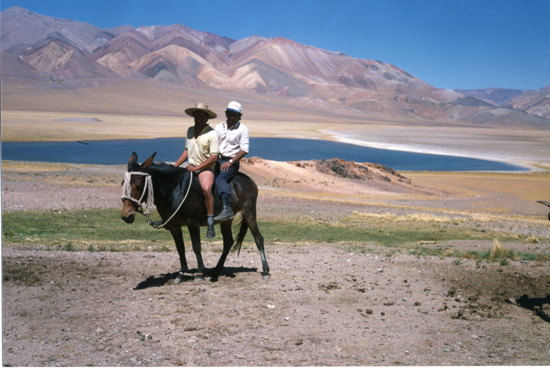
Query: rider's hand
point(225, 166)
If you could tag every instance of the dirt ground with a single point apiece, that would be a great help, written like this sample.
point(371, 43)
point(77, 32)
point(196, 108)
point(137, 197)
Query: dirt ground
point(323, 305)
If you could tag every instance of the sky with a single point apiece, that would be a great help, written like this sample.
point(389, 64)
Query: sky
point(454, 44)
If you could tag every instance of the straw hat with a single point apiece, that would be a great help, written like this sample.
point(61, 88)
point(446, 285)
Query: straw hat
point(201, 107)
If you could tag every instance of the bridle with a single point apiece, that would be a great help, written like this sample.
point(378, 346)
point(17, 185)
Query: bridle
point(127, 192)
point(149, 204)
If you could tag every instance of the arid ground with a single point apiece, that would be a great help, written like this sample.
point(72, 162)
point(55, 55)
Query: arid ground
point(326, 304)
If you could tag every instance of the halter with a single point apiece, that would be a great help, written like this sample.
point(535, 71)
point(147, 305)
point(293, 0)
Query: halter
point(127, 194)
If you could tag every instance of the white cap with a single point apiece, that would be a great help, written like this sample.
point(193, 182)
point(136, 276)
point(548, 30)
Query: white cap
point(235, 106)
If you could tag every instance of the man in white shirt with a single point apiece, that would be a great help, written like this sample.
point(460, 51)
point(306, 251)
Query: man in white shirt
point(233, 145)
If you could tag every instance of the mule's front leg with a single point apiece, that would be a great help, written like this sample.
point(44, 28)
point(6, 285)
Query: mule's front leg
point(194, 231)
point(180, 246)
point(227, 243)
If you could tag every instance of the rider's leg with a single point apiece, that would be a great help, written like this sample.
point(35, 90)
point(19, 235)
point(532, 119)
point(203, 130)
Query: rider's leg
point(206, 178)
point(224, 191)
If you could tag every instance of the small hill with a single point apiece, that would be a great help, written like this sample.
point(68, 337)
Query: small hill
point(325, 177)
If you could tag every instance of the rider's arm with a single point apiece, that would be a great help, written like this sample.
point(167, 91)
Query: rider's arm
point(239, 155)
point(209, 162)
point(182, 158)
point(225, 166)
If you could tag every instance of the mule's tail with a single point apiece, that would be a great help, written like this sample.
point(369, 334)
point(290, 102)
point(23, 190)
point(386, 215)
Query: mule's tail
point(243, 228)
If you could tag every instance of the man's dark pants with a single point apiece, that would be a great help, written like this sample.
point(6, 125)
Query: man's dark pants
point(224, 177)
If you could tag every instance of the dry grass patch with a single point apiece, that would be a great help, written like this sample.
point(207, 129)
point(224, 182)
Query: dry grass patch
point(415, 217)
point(455, 217)
point(58, 174)
point(529, 187)
point(27, 126)
point(22, 166)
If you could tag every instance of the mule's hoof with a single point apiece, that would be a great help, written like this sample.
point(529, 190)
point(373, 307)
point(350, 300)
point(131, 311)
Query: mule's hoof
point(179, 278)
point(199, 277)
point(266, 276)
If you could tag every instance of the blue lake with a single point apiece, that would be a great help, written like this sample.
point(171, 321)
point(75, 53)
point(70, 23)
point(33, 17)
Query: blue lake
point(117, 152)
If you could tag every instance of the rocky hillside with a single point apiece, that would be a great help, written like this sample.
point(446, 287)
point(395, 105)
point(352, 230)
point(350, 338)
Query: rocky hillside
point(536, 103)
point(77, 54)
point(533, 102)
point(336, 176)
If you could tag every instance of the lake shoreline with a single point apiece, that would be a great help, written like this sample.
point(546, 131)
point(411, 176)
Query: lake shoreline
point(433, 150)
point(113, 152)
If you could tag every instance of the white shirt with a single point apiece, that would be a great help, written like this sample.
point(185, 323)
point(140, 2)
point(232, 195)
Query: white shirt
point(232, 140)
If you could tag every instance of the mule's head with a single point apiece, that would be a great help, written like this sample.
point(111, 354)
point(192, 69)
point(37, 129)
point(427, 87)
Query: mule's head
point(136, 181)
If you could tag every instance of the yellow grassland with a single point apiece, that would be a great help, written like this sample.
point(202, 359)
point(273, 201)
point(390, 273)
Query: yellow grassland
point(40, 126)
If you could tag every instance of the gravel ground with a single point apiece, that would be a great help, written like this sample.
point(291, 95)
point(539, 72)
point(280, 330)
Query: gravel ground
point(324, 304)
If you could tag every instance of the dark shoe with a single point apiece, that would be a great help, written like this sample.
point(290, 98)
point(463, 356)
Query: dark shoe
point(227, 213)
point(211, 231)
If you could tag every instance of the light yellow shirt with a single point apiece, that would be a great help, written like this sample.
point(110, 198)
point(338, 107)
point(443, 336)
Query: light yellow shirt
point(201, 148)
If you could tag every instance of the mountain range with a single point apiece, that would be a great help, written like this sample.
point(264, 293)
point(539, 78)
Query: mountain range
point(60, 51)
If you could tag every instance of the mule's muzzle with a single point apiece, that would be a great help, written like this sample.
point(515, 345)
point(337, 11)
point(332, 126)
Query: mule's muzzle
point(128, 213)
point(128, 219)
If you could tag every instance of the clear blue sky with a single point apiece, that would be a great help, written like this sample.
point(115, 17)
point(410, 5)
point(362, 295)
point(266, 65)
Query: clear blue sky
point(455, 44)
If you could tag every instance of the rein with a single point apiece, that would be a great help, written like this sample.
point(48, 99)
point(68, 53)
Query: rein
point(127, 194)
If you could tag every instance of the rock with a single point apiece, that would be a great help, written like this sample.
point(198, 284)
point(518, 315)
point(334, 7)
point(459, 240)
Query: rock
point(144, 337)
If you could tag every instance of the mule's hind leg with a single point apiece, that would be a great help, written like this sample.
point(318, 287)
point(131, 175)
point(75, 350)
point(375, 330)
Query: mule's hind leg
point(227, 244)
point(180, 246)
point(259, 240)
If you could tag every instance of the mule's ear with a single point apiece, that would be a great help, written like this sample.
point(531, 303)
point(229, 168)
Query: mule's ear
point(132, 162)
point(148, 162)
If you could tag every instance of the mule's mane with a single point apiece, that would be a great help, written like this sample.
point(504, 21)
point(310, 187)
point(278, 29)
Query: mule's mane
point(164, 169)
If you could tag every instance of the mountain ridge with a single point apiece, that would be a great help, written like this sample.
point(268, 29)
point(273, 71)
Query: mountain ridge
point(81, 54)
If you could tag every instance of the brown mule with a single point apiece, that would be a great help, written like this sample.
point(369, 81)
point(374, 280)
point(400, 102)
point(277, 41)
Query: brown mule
point(169, 185)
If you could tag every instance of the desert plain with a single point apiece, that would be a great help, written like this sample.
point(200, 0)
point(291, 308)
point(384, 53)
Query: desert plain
point(328, 303)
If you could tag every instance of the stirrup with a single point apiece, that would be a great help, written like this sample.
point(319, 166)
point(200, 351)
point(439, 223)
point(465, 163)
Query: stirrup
point(225, 215)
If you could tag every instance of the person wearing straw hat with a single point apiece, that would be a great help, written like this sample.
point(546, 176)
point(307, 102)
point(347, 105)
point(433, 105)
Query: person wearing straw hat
point(233, 144)
point(201, 150)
